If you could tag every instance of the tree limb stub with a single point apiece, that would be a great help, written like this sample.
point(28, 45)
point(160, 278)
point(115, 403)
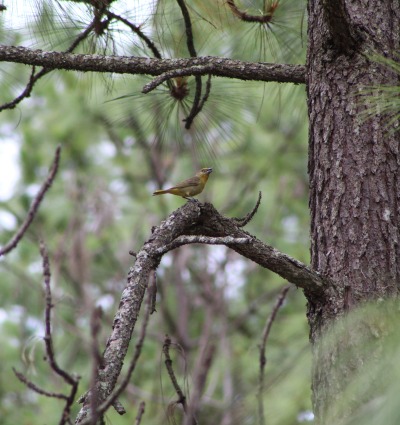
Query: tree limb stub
point(222, 67)
point(183, 226)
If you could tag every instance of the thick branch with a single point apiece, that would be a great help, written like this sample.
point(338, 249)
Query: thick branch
point(218, 66)
point(125, 319)
point(191, 219)
point(211, 223)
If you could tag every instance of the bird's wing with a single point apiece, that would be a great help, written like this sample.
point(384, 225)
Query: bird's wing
point(193, 181)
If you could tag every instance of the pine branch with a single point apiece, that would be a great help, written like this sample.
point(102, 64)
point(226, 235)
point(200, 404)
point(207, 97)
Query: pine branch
point(221, 67)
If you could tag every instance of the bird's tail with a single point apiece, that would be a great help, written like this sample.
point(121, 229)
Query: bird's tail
point(160, 192)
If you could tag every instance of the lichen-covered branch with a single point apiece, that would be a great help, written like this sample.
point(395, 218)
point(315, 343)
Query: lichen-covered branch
point(192, 223)
point(222, 67)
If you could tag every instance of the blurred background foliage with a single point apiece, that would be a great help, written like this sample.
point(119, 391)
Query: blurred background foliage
point(118, 146)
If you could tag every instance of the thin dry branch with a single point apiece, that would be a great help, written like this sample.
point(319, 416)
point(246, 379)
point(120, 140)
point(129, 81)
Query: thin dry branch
point(168, 364)
point(241, 222)
point(48, 339)
point(35, 205)
point(194, 70)
point(264, 18)
point(140, 413)
point(192, 51)
point(35, 77)
point(136, 30)
point(222, 67)
point(69, 379)
point(37, 389)
point(263, 358)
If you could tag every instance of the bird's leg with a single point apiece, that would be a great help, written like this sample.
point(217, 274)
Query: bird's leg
point(190, 199)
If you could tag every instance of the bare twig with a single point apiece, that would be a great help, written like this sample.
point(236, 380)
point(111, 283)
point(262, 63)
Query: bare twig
point(241, 222)
point(206, 94)
point(73, 382)
point(35, 388)
point(26, 92)
point(48, 339)
point(113, 398)
point(188, 27)
point(193, 70)
point(136, 29)
point(264, 18)
point(192, 51)
point(34, 206)
point(35, 77)
point(168, 364)
point(140, 413)
point(263, 359)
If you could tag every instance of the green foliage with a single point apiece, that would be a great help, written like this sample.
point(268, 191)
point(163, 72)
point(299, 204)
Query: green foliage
point(372, 340)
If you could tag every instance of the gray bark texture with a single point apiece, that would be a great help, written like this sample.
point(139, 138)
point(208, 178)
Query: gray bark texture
point(354, 181)
point(222, 67)
point(192, 223)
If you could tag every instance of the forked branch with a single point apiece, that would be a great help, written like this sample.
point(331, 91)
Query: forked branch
point(192, 223)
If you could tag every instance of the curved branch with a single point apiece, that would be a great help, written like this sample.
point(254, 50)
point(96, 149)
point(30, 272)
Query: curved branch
point(241, 222)
point(192, 223)
point(193, 70)
point(221, 67)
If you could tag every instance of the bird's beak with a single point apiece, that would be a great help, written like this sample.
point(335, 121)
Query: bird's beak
point(209, 170)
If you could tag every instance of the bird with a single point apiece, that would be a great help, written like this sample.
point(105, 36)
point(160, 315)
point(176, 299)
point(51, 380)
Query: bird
point(190, 187)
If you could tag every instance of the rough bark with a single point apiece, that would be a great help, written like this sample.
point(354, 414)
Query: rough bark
point(222, 67)
point(192, 223)
point(354, 177)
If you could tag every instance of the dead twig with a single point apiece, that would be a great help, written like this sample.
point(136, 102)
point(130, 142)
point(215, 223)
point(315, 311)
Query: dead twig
point(35, 77)
point(174, 73)
point(192, 51)
point(140, 413)
point(48, 339)
point(34, 206)
point(241, 222)
point(168, 364)
point(37, 389)
point(136, 29)
point(50, 354)
point(263, 358)
point(264, 18)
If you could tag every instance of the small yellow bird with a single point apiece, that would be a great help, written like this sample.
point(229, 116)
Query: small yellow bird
point(189, 187)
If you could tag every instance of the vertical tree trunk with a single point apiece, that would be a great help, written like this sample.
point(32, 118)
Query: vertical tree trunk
point(354, 168)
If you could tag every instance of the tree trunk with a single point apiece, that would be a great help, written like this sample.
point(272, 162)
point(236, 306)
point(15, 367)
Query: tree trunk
point(354, 180)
